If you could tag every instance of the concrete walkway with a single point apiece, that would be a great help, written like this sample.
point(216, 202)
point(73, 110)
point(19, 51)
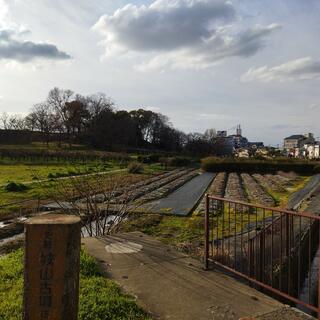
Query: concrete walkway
point(296, 198)
point(170, 285)
point(183, 200)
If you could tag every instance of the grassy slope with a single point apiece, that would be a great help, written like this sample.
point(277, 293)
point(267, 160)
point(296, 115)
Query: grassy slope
point(100, 298)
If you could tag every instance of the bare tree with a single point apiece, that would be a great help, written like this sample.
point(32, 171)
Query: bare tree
point(102, 201)
point(57, 100)
point(31, 121)
point(4, 118)
point(16, 122)
point(44, 119)
point(98, 103)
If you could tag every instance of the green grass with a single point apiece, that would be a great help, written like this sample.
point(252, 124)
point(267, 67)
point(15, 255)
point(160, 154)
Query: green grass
point(27, 172)
point(100, 298)
point(171, 230)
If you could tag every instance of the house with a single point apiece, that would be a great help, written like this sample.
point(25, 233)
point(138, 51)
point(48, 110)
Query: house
point(311, 151)
point(295, 143)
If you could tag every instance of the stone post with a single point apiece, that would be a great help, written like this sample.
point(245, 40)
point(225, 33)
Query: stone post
point(51, 268)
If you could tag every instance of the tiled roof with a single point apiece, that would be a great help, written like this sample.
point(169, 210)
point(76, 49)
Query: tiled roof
point(295, 136)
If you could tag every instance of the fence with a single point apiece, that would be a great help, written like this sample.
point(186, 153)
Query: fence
point(272, 248)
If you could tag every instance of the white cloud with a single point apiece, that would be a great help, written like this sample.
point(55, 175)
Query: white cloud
point(153, 109)
point(15, 49)
point(212, 116)
point(300, 69)
point(314, 106)
point(180, 33)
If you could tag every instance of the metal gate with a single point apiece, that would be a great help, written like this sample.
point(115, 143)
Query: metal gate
point(272, 248)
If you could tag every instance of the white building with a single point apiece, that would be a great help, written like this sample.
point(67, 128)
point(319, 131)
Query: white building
point(311, 151)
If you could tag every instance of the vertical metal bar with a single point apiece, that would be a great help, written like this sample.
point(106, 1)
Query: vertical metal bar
point(272, 226)
point(229, 235)
point(235, 237)
point(281, 245)
point(309, 264)
point(249, 244)
point(256, 244)
point(211, 205)
point(287, 235)
point(299, 258)
point(222, 235)
point(264, 240)
point(206, 226)
point(241, 241)
point(261, 234)
point(318, 271)
point(251, 257)
point(289, 253)
point(217, 225)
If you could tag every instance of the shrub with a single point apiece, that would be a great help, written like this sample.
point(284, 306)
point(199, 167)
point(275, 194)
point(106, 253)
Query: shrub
point(15, 187)
point(151, 158)
point(135, 167)
point(51, 175)
point(176, 161)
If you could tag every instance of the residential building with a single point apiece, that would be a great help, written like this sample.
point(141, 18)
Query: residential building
point(297, 141)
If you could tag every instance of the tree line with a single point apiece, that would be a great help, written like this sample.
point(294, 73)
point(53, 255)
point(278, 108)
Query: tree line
point(94, 120)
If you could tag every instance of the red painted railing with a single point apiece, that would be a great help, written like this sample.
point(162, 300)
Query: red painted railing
point(272, 248)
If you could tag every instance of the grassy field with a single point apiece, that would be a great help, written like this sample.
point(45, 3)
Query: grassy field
point(100, 298)
point(27, 173)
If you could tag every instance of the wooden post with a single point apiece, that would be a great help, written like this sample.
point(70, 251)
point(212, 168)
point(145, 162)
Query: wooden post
point(51, 270)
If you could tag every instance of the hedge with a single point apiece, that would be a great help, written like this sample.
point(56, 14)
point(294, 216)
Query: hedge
point(212, 164)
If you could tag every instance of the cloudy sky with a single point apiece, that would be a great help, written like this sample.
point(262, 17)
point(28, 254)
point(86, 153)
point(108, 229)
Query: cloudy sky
point(204, 63)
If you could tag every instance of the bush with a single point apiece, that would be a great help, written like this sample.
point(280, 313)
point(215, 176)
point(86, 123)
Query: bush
point(213, 164)
point(151, 158)
point(15, 187)
point(176, 161)
point(135, 167)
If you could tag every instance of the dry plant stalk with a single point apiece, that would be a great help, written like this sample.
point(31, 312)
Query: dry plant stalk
point(95, 200)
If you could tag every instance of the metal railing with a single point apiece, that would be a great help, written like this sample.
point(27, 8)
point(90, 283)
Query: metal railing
point(272, 248)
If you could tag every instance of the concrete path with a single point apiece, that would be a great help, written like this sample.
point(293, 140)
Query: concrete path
point(300, 195)
point(183, 200)
point(170, 285)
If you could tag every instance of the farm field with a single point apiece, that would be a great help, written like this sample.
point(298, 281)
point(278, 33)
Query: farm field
point(187, 232)
point(151, 185)
point(42, 181)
